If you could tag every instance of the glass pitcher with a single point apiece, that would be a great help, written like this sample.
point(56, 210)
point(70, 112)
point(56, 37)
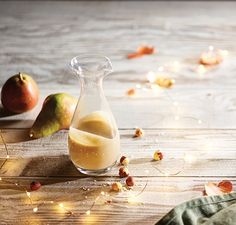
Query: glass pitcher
point(94, 140)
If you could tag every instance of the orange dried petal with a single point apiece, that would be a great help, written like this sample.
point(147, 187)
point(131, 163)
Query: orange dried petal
point(225, 186)
point(134, 55)
point(146, 50)
point(143, 50)
point(131, 92)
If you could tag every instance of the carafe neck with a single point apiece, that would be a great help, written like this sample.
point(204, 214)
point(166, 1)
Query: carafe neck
point(91, 85)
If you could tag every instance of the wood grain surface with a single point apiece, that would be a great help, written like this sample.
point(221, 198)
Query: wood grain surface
point(40, 38)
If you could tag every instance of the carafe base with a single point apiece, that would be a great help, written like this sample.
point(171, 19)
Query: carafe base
point(95, 172)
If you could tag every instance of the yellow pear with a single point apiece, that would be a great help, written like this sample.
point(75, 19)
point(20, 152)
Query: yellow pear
point(56, 114)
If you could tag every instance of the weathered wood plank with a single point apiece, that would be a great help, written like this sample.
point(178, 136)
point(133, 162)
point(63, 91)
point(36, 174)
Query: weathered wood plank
point(210, 149)
point(159, 196)
point(215, 109)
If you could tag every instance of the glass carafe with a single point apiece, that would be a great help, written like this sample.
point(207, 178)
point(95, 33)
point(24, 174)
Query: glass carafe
point(94, 140)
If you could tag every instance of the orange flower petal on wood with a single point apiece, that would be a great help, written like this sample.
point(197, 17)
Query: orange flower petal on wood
point(131, 92)
point(134, 55)
point(143, 50)
point(226, 186)
point(146, 50)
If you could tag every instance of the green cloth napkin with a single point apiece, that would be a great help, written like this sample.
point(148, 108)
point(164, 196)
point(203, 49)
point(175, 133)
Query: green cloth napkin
point(211, 210)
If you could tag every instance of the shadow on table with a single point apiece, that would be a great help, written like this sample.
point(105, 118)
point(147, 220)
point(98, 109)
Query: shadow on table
point(15, 135)
point(45, 167)
point(5, 113)
point(13, 120)
point(50, 167)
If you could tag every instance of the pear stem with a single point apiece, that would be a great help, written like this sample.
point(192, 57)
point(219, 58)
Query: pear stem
point(21, 77)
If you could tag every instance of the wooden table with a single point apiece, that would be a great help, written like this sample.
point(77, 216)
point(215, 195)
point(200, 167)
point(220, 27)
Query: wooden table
point(40, 38)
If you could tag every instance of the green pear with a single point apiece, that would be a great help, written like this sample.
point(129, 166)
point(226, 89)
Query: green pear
point(56, 114)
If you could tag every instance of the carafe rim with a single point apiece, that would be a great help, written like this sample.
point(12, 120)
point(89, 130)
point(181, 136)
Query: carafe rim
point(97, 64)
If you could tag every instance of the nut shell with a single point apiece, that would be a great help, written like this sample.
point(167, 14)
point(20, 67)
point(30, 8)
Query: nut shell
point(123, 172)
point(117, 186)
point(157, 156)
point(130, 181)
point(124, 161)
point(35, 185)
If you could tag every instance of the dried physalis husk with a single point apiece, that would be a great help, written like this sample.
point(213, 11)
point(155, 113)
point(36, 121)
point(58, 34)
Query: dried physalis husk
point(138, 133)
point(157, 156)
point(210, 58)
point(165, 82)
point(146, 50)
point(131, 92)
point(143, 50)
point(117, 186)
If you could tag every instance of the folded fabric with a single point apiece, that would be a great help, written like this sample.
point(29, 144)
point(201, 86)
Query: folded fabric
point(211, 210)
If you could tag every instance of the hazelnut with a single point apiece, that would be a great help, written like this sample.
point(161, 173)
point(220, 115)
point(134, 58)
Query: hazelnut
point(124, 161)
point(117, 186)
point(157, 156)
point(130, 92)
point(130, 181)
point(35, 185)
point(123, 172)
point(138, 132)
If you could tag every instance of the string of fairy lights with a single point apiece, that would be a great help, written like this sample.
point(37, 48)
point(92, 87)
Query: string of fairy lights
point(60, 205)
point(156, 81)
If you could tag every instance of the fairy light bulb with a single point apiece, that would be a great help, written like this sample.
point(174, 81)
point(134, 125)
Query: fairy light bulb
point(176, 63)
point(61, 205)
point(35, 209)
point(88, 212)
point(175, 103)
point(176, 118)
point(132, 199)
point(176, 66)
point(201, 69)
point(28, 193)
point(188, 158)
point(211, 48)
point(151, 77)
point(138, 86)
point(7, 156)
point(199, 122)
point(223, 53)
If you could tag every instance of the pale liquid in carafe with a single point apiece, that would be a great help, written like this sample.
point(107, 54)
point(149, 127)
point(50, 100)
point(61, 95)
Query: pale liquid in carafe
point(93, 143)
